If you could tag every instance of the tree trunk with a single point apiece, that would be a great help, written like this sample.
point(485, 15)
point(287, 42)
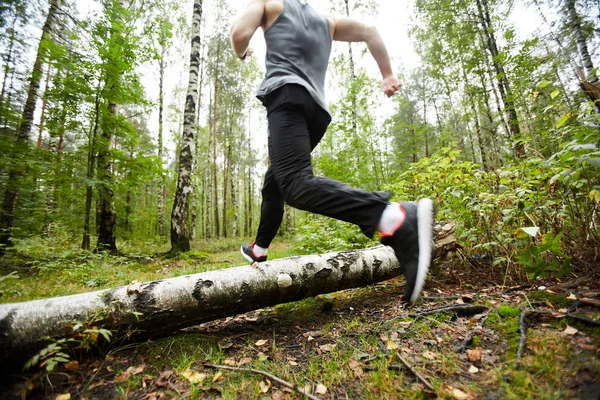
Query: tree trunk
point(503, 83)
point(107, 221)
point(214, 164)
point(162, 233)
point(13, 185)
point(586, 59)
point(226, 162)
point(9, 69)
point(163, 307)
point(89, 187)
point(180, 235)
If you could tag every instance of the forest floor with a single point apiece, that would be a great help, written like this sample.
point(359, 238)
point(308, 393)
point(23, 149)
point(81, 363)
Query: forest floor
point(467, 338)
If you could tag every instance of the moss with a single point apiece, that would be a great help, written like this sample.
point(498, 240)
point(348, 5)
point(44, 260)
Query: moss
point(507, 311)
point(476, 341)
point(555, 300)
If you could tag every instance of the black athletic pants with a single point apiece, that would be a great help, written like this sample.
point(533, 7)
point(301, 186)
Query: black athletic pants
point(296, 125)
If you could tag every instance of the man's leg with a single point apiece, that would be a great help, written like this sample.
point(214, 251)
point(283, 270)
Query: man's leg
point(271, 210)
point(290, 144)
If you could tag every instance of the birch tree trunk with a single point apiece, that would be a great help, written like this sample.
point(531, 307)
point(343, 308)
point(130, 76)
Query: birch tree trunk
point(162, 233)
point(586, 59)
point(180, 235)
point(162, 307)
point(15, 175)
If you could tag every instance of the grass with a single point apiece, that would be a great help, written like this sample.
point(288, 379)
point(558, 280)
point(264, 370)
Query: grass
point(358, 322)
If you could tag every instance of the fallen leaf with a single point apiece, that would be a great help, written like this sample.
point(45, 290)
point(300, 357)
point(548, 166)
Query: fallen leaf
point(65, 396)
point(358, 372)
point(264, 385)
point(163, 378)
point(194, 376)
point(72, 365)
point(570, 330)
point(293, 363)
point(459, 394)
point(563, 310)
point(429, 355)
point(321, 389)
point(474, 354)
point(218, 376)
point(572, 297)
point(473, 369)
point(314, 334)
point(327, 347)
point(261, 342)
point(225, 346)
point(230, 362)
point(353, 363)
point(262, 356)
point(245, 360)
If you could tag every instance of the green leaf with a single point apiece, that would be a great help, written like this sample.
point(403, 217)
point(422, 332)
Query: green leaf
point(564, 119)
point(554, 94)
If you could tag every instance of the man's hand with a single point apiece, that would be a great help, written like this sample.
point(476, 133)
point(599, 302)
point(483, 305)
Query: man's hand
point(390, 85)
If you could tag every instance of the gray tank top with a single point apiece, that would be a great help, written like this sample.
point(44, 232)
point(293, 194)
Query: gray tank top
point(298, 49)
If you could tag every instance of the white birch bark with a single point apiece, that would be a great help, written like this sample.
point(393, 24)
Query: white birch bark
point(162, 307)
point(180, 235)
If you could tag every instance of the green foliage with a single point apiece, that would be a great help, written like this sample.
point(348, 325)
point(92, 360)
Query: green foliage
point(540, 259)
point(50, 356)
point(492, 207)
point(318, 234)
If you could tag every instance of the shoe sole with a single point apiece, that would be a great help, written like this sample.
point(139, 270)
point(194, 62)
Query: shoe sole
point(246, 256)
point(425, 232)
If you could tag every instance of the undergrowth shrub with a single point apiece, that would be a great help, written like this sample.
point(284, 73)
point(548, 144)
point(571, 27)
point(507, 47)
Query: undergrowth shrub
point(319, 234)
point(538, 213)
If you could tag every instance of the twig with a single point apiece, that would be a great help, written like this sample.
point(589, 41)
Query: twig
point(435, 298)
point(584, 320)
point(523, 330)
point(590, 302)
point(460, 310)
point(268, 375)
point(415, 373)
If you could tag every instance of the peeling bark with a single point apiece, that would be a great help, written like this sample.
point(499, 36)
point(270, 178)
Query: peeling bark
point(180, 234)
point(163, 307)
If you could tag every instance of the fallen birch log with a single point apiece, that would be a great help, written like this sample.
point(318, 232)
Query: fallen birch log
point(159, 308)
point(162, 307)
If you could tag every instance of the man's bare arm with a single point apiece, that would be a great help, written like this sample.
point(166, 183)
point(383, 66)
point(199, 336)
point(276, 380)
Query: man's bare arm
point(351, 30)
point(245, 25)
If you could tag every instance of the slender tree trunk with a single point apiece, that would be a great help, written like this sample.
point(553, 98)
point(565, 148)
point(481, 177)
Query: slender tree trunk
point(503, 83)
point(8, 70)
point(16, 173)
point(208, 176)
point(586, 59)
point(180, 235)
point(234, 202)
point(107, 222)
point(162, 232)
point(226, 166)
point(215, 181)
point(89, 186)
point(354, 116)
